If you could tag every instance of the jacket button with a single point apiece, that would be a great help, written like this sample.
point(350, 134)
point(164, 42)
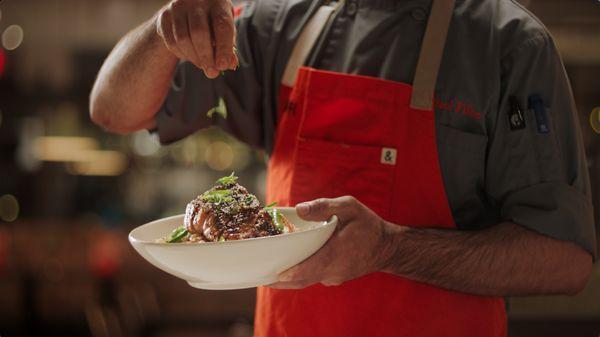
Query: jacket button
point(351, 8)
point(418, 14)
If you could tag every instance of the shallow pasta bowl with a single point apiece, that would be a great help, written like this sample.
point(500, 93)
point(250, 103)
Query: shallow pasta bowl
point(231, 264)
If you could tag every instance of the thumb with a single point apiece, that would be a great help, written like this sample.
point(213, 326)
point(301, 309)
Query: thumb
point(317, 210)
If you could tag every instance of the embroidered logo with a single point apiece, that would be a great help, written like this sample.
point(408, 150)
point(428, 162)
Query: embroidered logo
point(388, 156)
point(458, 106)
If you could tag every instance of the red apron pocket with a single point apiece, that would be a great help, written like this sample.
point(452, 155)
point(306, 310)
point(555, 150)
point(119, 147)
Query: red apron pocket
point(326, 169)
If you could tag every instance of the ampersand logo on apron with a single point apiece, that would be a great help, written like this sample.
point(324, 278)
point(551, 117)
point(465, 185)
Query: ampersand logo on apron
point(388, 156)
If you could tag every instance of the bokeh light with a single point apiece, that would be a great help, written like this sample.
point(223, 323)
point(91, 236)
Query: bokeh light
point(242, 158)
point(98, 163)
point(595, 119)
point(219, 156)
point(190, 151)
point(144, 144)
point(12, 37)
point(9, 208)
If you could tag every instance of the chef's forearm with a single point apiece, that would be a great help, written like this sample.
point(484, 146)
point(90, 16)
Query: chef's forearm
point(133, 81)
point(504, 260)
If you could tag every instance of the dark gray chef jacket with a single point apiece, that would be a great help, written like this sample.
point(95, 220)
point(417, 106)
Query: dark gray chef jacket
point(493, 169)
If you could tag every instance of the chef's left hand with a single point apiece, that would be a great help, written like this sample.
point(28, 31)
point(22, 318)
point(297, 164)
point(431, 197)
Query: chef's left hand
point(358, 246)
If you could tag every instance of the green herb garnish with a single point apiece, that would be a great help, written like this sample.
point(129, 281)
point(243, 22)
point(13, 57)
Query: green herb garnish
point(220, 109)
point(271, 205)
point(230, 179)
point(177, 235)
point(217, 196)
point(278, 219)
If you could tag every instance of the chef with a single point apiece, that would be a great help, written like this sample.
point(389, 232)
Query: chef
point(442, 133)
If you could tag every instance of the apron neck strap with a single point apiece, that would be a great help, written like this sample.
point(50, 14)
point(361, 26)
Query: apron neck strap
point(428, 63)
point(430, 55)
point(311, 31)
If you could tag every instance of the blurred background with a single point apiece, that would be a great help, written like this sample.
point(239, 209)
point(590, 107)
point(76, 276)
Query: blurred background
point(69, 192)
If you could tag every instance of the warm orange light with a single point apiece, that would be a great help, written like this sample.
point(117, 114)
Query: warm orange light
point(62, 149)
point(81, 155)
point(99, 163)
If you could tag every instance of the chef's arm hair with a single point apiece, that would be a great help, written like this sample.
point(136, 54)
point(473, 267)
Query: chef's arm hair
point(504, 260)
point(133, 82)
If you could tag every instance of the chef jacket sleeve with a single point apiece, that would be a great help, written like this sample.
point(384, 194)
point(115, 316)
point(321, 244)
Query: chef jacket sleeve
point(192, 94)
point(540, 180)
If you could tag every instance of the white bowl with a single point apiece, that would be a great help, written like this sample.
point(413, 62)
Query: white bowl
point(231, 264)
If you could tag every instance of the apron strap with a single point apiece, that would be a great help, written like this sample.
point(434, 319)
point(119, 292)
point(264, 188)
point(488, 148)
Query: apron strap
point(430, 56)
point(305, 42)
point(428, 64)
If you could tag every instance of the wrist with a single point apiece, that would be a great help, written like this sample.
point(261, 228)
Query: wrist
point(390, 247)
point(156, 41)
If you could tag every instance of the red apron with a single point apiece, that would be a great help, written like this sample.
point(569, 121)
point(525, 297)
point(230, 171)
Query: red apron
point(355, 135)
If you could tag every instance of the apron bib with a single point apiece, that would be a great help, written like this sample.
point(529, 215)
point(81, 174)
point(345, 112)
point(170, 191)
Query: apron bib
point(373, 139)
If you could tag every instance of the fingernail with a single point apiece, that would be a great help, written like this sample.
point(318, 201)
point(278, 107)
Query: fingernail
point(303, 208)
point(212, 72)
point(223, 63)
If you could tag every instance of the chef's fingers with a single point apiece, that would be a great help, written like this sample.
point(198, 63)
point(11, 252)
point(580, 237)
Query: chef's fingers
point(234, 61)
point(182, 33)
point(300, 276)
point(164, 29)
point(221, 18)
point(313, 269)
point(322, 209)
point(199, 28)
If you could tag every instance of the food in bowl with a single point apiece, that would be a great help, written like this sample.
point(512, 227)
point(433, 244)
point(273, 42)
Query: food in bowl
point(228, 212)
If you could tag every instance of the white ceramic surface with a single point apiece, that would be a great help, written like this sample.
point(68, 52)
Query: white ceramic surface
point(230, 264)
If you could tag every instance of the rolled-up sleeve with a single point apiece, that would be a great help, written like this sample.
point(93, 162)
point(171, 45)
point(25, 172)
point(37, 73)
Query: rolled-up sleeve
point(540, 179)
point(192, 94)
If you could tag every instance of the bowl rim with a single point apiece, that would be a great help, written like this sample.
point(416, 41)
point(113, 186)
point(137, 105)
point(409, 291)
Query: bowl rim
point(333, 220)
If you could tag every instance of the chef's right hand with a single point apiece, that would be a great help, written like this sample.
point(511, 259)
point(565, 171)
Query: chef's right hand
point(185, 27)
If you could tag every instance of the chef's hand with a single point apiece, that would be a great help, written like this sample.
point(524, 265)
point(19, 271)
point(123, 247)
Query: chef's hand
point(358, 246)
point(185, 27)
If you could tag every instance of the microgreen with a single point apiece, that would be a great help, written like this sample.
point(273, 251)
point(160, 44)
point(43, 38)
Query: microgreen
point(220, 109)
point(227, 180)
point(278, 219)
point(271, 205)
point(217, 196)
